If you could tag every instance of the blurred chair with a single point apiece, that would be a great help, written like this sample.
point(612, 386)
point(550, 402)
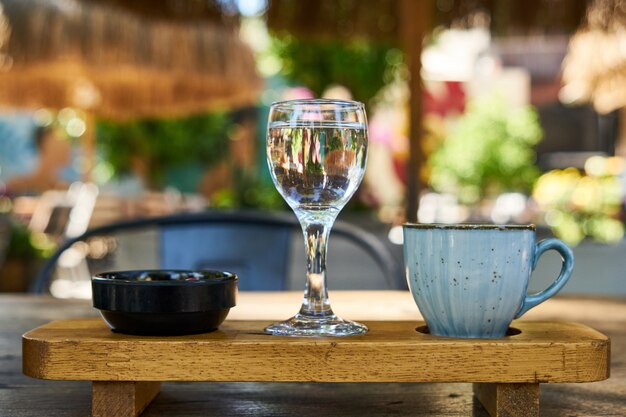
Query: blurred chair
point(255, 245)
point(64, 214)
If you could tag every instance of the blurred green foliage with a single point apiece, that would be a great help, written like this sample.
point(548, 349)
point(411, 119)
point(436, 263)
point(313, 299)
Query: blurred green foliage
point(165, 146)
point(24, 244)
point(489, 151)
point(249, 191)
point(20, 245)
point(162, 144)
point(363, 67)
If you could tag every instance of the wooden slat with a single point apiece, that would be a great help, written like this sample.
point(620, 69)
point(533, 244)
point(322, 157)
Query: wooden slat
point(85, 349)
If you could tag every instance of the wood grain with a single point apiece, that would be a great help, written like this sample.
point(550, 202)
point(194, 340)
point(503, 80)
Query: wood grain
point(85, 349)
point(509, 400)
point(22, 396)
point(122, 399)
point(400, 306)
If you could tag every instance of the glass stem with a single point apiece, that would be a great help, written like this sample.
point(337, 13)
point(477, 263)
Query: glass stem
point(315, 303)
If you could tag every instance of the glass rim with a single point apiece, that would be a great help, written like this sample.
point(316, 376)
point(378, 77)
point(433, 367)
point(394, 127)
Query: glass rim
point(345, 104)
point(469, 226)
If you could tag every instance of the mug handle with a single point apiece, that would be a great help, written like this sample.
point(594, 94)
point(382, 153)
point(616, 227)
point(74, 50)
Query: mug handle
point(567, 256)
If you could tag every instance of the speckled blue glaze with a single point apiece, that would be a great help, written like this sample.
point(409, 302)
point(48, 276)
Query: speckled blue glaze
point(471, 280)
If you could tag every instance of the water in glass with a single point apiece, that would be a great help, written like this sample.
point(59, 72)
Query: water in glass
point(316, 152)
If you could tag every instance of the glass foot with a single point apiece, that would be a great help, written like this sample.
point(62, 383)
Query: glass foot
point(301, 325)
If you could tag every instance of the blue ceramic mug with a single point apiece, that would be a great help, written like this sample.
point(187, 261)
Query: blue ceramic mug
point(471, 280)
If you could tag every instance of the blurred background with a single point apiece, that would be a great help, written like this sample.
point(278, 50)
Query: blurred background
point(479, 111)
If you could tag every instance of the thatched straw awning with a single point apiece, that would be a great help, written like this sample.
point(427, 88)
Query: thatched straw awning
point(120, 64)
point(331, 19)
point(594, 69)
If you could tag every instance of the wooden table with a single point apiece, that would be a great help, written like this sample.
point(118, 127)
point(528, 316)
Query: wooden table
point(23, 396)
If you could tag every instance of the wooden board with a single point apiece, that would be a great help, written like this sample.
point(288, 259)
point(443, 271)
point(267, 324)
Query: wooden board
point(85, 349)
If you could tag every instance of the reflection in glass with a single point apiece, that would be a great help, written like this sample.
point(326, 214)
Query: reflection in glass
point(316, 152)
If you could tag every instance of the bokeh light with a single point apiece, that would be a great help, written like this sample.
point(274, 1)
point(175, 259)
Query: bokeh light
point(578, 204)
point(75, 127)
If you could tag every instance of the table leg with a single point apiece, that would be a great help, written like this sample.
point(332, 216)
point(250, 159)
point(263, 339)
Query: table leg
point(509, 400)
point(121, 398)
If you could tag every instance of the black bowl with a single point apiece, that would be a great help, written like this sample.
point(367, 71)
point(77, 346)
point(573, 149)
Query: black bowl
point(164, 302)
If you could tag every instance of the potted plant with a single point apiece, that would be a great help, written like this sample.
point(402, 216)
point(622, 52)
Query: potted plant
point(490, 150)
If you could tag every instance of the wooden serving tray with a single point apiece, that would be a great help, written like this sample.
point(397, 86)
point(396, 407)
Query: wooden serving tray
point(127, 370)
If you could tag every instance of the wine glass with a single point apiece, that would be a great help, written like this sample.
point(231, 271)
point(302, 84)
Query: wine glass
point(316, 152)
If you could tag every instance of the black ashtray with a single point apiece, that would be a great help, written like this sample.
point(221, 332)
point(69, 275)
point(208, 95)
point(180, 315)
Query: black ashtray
point(164, 302)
